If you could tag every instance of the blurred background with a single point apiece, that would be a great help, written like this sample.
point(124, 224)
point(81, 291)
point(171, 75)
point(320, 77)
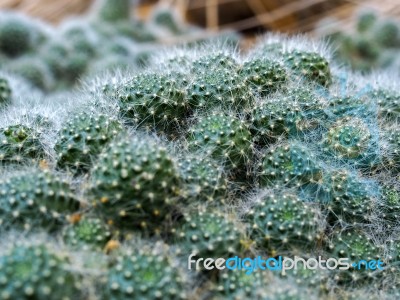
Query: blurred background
point(364, 33)
point(247, 16)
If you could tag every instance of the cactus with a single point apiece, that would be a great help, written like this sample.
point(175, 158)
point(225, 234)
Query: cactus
point(83, 138)
point(290, 164)
point(134, 182)
point(236, 284)
point(113, 10)
point(346, 196)
point(309, 65)
point(20, 144)
point(87, 233)
point(155, 101)
point(210, 233)
point(291, 114)
point(5, 92)
point(351, 139)
point(225, 137)
point(34, 71)
point(15, 36)
point(37, 272)
point(355, 246)
point(280, 221)
point(36, 199)
point(389, 103)
point(263, 76)
point(204, 179)
point(144, 275)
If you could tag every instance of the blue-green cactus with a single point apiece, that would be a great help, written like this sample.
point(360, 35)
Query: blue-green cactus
point(134, 182)
point(155, 101)
point(20, 144)
point(35, 199)
point(5, 92)
point(83, 138)
point(224, 137)
point(144, 275)
point(87, 233)
point(37, 272)
point(281, 221)
point(290, 164)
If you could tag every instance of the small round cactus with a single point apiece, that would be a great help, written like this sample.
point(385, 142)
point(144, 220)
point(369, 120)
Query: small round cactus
point(37, 272)
point(236, 284)
point(219, 87)
point(293, 113)
point(113, 10)
point(290, 164)
point(83, 138)
point(19, 143)
point(203, 179)
point(225, 137)
point(134, 182)
point(155, 101)
point(5, 92)
point(311, 66)
point(345, 195)
point(36, 199)
point(264, 76)
point(15, 37)
point(388, 102)
point(144, 275)
point(350, 139)
point(355, 246)
point(87, 233)
point(280, 221)
point(210, 233)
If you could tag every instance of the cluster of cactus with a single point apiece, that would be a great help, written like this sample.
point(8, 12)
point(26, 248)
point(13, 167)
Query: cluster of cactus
point(372, 43)
point(108, 37)
point(205, 153)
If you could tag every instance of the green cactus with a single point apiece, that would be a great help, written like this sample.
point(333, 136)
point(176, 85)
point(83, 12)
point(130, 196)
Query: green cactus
point(210, 233)
point(366, 21)
point(5, 92)
point(33, 70)
point(392, 158)
point(82, 139)
point(264, 76)
point(204, 179)
point(155, 101)
point(134, 182)
point(280, 221)
point(166, 17)
point(220, 87)
point(20, 144)
point(388, 34)
point(36, 199)
point(88, 233)
point(309, 65)
point(15, 37)
point(290, 164)
point(144, 275)
point(37, 272)
point(236, 284)
point(355, 246)
point(390, 205)
point(113, 10)
point(389, 103)
point(224, 137)
point(346, 196)
point(291, 114)
point(350, 139)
